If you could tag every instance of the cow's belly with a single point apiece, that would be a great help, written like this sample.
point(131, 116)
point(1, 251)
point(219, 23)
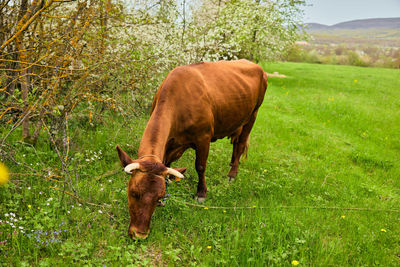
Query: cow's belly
point(229, 124)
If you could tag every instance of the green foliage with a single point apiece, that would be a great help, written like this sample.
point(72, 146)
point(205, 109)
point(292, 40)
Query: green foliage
point(326, 136)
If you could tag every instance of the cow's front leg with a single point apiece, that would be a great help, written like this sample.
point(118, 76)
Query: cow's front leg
point(202, 149)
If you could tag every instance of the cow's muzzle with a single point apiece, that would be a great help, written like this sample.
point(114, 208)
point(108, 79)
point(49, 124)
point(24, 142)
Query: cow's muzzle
point(136, 235)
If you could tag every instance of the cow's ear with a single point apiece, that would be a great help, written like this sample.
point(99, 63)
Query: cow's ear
point(123, 157)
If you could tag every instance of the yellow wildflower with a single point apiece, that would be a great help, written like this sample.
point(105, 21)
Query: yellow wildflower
point(29, 206)
point(206, 208)
point(343, 216)
point(295, 263)
point(383, 230)
point(209, 247)
point(4, 174)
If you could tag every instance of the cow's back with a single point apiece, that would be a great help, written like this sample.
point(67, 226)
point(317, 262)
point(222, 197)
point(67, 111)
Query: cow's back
point(219, 97)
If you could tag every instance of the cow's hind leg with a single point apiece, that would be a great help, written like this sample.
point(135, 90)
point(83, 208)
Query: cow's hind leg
point(202, 149)
point(240, 145)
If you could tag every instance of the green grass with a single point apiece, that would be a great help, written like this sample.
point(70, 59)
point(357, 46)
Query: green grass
point(326, 136)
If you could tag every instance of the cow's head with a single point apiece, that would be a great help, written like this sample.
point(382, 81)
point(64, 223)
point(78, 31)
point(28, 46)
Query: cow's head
point(145, 188)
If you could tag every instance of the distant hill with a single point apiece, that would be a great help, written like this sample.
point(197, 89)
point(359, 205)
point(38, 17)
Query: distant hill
point(386, 23)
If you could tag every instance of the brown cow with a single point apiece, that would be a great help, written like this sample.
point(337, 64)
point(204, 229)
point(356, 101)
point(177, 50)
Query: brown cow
point(195, 105)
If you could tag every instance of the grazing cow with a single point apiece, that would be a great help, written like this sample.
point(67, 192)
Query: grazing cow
point(195, 105)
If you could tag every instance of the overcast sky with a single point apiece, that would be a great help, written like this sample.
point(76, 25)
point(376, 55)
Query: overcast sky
point(334, 11)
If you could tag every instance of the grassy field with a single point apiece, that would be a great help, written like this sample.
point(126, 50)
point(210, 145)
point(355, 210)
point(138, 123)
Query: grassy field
point(322, 183)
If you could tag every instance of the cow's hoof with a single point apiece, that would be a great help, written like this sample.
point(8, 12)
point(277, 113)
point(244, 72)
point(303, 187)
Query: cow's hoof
point(200, 199)
point(231, 178)
point(232, 174)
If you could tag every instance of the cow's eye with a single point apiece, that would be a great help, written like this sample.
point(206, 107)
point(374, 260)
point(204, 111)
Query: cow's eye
point(134, 195)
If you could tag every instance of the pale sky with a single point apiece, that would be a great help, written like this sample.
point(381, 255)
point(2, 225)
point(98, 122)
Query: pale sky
point(330, 12)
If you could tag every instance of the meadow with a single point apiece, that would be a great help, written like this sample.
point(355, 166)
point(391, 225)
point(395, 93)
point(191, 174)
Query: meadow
point(320, 186)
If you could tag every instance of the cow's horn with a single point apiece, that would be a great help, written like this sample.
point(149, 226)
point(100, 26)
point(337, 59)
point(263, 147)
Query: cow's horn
point(175, 173)
point(130, 167)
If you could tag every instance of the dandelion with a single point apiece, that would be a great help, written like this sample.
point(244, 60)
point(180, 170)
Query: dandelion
point(287, 92)
point(29, 206)
point(208, 247)
point(295, 263)
point(383, 230)
point(355, 81)
point(206, 208)
point(343, 217)
point(224, 211)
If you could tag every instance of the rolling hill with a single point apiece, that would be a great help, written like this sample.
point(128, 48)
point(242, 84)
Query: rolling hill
point(385, 23)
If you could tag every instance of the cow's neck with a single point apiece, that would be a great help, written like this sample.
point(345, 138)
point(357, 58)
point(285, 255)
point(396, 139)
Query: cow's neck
point(155, 136)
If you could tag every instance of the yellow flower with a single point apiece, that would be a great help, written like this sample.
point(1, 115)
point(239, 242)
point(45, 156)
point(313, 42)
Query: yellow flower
point(4, 174)
point(206, 208)
point(343, 216)
point(295, 263)
point(355, 81)
point(209, 247)
point(224, 211)
point(29, 206)
point(287, 92)
point(254, 206)
point(383, 230)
